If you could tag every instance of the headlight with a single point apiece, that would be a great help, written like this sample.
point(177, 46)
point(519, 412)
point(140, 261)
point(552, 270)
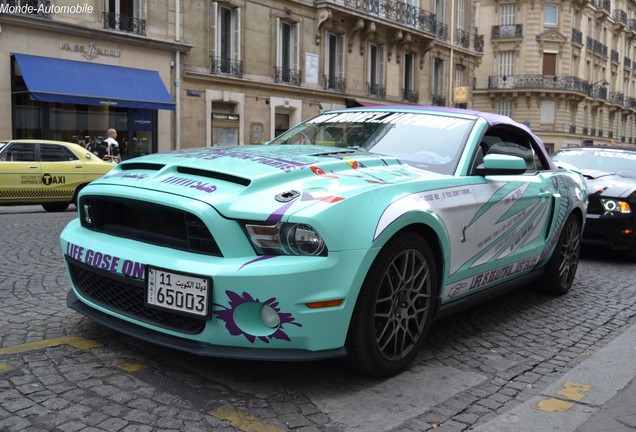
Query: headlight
point(286, 239)
point(615, 206)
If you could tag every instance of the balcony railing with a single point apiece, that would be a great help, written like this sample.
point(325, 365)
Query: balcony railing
point(617, 98)
point(462, 38)
point(227, 66)
point(336, 83)
point(412, 96)
point(479, 43)
point(396, 11)
point(577, 36)
point(553, 82)
point(439, 100)
point(620, 16)
point(615, 56)
point(287, 76)
point(507, 31)
point(627, 62)
point(585, 130)
point(124, 23)
point(376, 90)
point(34, 7)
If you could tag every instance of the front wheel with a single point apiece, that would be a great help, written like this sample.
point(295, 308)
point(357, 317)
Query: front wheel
point(395, 307)
point(55, 207)
point(561, 268)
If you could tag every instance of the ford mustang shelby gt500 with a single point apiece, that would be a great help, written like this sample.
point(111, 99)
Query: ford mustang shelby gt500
point(345, 236)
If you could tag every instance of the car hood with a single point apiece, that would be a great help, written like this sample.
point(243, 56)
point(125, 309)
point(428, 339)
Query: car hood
point(608, 184)
point(260, 180)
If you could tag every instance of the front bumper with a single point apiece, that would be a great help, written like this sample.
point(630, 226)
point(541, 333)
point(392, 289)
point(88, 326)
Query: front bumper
point(615, 232)
point(288, 283)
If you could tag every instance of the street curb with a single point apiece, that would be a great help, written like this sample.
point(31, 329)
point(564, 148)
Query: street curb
point(606, 372)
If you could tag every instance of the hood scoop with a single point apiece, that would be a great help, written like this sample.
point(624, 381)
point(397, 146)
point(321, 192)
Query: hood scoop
point(215, 175)
point(141, 166)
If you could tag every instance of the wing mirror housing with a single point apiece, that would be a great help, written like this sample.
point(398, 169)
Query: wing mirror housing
point(499, 164)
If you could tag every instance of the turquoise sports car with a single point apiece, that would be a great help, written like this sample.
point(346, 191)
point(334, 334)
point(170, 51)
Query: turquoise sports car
point(344, 237)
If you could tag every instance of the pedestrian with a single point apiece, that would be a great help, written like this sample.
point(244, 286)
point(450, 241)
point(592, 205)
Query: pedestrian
point(112, 154)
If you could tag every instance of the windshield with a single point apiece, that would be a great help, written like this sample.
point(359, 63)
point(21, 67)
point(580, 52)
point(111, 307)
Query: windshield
point(428, 141)
point(614, 161)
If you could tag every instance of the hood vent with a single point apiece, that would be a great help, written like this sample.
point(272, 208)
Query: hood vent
point(141, 166)
point(215, 175)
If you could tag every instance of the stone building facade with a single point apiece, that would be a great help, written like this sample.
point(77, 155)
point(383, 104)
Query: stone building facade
point(566, 68)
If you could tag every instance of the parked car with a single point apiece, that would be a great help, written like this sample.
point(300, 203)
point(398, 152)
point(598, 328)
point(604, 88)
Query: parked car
point(50, 173)
point(611, 179)
point(345, 236)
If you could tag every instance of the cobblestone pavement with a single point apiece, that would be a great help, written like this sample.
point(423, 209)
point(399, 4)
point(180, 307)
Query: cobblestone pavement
point(61, 372)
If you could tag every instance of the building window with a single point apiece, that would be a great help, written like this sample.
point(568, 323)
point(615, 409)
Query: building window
point(287, 70)
point(334, 65)
point(550, 14)
point(504, 107)
point(376, 71)
point(438, 83)
point(124, 15)
point(548, 111)
point(409, 93)
point(226, 52)
point(549, 64)
point(506, 63)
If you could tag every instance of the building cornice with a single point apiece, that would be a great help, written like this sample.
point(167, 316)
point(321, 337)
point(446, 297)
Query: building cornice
point(45, 24)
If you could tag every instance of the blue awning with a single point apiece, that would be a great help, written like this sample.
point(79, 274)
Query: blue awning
point(68, 81)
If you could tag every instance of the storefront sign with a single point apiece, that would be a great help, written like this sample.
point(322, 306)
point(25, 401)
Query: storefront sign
point(89, 51)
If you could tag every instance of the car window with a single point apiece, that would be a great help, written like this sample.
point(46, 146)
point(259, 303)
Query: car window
point(606, 160)
point(503, 140)
point(56, 153)
point(19, 152)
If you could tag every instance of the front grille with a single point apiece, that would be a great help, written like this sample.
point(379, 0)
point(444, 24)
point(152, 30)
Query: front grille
point(147, 222)
point(126, 296)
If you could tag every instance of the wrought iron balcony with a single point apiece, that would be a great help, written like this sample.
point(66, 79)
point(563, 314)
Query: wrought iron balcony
point(617, 98)
point(620, 16)
point(627, 62)
point(631, 25)
point(376, 90)
point(593, 132)
point(409, 95)
point(462, 38)
point(393, 10)
point(34, 7)
point(227, 66)
point(336, 83)
point(439, 100)
point(577, 36)
point(615, 56)
point(585, 130)
point(124, 23)
point(287, 76)
point(479, 43)
point(572, 129)
point(631, 102)
point(538, 81)
point(507, 31)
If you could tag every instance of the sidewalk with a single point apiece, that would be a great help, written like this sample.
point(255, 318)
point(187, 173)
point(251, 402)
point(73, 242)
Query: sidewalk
point(599, 395)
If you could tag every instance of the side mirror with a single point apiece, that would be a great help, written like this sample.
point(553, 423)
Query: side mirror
point(499, 164)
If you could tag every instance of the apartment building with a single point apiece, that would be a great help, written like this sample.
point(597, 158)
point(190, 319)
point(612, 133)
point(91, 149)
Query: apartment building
point(565, 68)
point(256, 68)
point(71, 70)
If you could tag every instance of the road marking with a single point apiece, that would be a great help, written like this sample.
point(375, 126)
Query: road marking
point(243, 420)
point(131, 367)
point(77, 342)
point(573, 392)
point(5, 367)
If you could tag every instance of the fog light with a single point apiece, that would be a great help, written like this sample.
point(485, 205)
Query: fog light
point(270, 316)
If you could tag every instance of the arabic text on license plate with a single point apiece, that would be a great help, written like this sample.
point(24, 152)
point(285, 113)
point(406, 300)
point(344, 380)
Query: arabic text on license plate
point(178, 292)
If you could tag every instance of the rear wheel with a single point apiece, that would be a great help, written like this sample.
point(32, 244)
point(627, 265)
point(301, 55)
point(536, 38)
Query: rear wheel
point(55, 207)
point(562, 266)
point(395, 307)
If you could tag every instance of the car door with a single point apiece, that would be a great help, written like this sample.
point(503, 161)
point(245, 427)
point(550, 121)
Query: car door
point(62, 171)
point(20, 173)
point(507, 235)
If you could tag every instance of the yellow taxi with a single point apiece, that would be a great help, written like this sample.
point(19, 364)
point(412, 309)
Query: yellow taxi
point(50, 173)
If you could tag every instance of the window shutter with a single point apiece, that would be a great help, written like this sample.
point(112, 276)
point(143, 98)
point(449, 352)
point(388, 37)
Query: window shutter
point(381, 65)
point(295, 52)
point(340, 65)
point(237, 34)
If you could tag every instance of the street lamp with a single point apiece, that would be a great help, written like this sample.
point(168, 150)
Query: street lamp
point(602, 82)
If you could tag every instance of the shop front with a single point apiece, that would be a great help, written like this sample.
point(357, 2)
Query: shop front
point(78, 102)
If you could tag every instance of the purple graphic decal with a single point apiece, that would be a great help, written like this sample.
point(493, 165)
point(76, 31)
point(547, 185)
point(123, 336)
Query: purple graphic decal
point(261, 258)
point(277, 216)
point(192, 184)
point(227, 314)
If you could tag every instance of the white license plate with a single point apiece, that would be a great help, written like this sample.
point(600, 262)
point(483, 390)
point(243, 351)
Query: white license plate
point(179, 292)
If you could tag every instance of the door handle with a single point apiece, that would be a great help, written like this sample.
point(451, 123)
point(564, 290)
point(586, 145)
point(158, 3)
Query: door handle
point(79, 166)
point(545, 194)
point(33, 166)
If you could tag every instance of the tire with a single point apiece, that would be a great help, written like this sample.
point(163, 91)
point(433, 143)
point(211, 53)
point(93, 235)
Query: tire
point(395, 308)
point(561, 268)
point(55, 207)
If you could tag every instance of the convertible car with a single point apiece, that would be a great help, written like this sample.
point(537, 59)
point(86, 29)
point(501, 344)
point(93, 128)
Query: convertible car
point(343, 237)
point(611, 179)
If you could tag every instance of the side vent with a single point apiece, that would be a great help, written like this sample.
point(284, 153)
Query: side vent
point(215, 175)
